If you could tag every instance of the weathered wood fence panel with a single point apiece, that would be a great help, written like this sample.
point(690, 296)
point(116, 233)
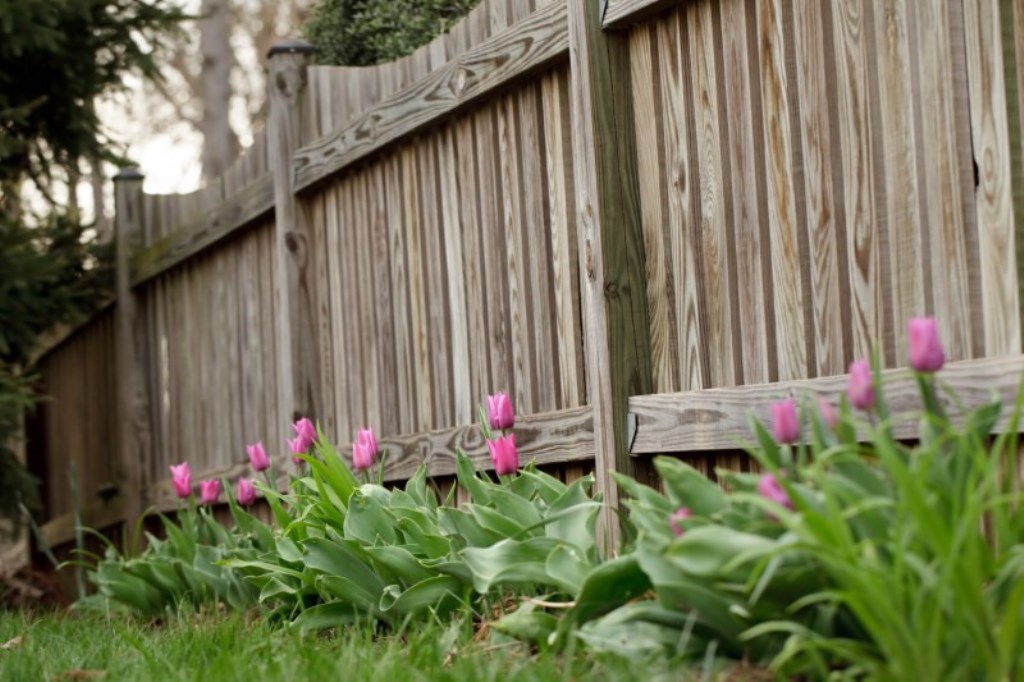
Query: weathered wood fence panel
point(810, 185)
point(78, 421)
point(713, 202)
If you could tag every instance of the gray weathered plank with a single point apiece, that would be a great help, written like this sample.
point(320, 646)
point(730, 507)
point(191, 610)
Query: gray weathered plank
point(719, 418)
point(236, 213)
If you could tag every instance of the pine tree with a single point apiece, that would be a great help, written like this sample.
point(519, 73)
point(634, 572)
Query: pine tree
point(56, 58)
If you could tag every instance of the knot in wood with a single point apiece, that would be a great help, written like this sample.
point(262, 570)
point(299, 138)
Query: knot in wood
point(611, 289)
point(292, 242)
point(460, 82)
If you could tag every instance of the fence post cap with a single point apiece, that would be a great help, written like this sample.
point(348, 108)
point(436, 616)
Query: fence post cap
point(128, 174)
point(291, 46)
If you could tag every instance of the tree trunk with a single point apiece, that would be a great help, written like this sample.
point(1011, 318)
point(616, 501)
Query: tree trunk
point(220, 143)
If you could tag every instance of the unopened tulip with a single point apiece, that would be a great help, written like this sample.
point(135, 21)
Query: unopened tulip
point(923, 346)
point(500, 414)
point(677, 518)
point(770, 488)
point(785, 423)
point(366, 438)
point(828, 413)
point(246, 492)
point(181, 479)
point(209, 491)
point(504, 455)
point(861, 388)
point(297, 447)
point(362, 456)
point(258, 456)
point(305, 432)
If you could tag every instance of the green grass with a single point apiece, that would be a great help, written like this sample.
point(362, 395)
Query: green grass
point(233, 647)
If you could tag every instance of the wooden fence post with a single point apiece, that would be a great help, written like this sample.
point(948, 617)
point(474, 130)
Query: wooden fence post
point(611, 246)
point(299, 377)
point(134, 434)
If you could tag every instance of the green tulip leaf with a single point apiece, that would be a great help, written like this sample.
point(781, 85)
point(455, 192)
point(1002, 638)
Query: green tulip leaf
point(440, 593)
point(329, 615)
point(510, 561)
point(687, 487)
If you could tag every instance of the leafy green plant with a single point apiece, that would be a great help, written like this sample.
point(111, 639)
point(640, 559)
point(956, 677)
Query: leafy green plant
point(182, 568)
point(854, 552)
point(362, 32)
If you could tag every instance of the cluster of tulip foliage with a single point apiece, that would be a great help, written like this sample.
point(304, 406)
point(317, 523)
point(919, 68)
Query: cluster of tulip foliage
point(850, 553)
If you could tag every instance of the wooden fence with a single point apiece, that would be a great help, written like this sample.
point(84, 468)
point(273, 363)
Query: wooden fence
point(641, 218)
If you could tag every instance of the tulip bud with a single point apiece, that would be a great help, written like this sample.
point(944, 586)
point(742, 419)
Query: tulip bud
point(366, 438)
point(362, 456)
point(258, 456)
point(297, 447)
point(861, 388)
point(770, 489)
point(677, 517)
point(209, 491)
point(504, 455)
point(305, 432)
point(181, 479)
point(246, 492)
point(828, 413)
point(785, 423)
point(923, 346)
point(500, 414)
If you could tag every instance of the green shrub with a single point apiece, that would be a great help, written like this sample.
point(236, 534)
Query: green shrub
point(363, 32)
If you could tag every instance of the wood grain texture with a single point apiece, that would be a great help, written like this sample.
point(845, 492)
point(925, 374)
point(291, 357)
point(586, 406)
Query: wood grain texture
point(744, 194)
point(625, 13)
point(714, 237)
point(299, 379)
point(858, 200)
point(892, 38)
point(824, 225)
point(645, 67)
point(552, 438)
point(530, 45)
point(682, 188)
point(213, 226)
point(610, 235)
point(989, 128)
point(788, 241)
point(133, 399)
point(719, 419)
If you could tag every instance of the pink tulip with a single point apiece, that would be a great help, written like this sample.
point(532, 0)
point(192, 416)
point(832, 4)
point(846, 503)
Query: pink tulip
point(923, 345)
point(504, 455)
point(209, 491)
point(770, 489)
point(861, 389)
point(677, 517)
point(305, 432)
point(181, 479)
point(297, 447)
point(364, 449)
point(362, 456)
point(499, 411)
point(785, 423)
point(258, 456)
point(828, 413)
point(366, 438)
point(246, 492)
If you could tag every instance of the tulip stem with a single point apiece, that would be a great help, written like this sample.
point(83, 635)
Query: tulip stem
point(380, 470)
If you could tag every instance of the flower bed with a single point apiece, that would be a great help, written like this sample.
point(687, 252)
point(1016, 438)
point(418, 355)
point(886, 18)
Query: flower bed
point(871, 557)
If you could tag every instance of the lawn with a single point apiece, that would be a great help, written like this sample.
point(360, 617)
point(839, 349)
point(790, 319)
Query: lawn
point(225, 647)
